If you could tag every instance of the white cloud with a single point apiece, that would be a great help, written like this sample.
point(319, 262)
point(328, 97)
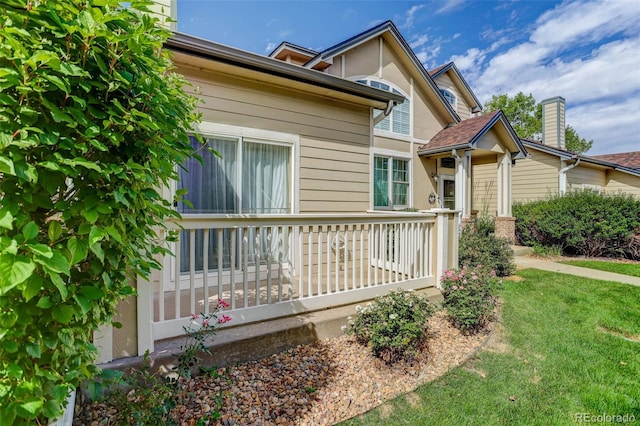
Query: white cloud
point(418, 41)
point(449, 6)
point(586, 52)
point(410, 16)
point(270, 46)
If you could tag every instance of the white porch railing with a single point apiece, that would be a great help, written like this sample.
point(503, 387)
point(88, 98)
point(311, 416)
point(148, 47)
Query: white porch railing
point(272, 266)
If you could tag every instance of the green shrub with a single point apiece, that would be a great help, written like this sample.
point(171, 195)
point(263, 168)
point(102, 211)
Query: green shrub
point(584, 223)
point(395, 325)
point(469, 297)
point(93, 123)
point(478, 245)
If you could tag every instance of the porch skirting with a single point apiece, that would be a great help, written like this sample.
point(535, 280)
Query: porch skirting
point(506, 227)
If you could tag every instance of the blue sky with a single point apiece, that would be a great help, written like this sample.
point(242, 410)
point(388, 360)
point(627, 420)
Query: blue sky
point(585, 51)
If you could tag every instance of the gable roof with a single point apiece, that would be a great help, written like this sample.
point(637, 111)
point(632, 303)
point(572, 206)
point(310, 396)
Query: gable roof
point(622, 162)
point(451, 67)
point(466, 134)
point(626, 159)
point(317, 81)
point(385, 28)
point(285, 45)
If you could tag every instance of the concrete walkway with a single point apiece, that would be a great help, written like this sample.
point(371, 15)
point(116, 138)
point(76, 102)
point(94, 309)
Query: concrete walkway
point(546, 265)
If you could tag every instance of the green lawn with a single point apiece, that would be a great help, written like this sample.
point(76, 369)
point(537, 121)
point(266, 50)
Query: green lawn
point(632, 269)
point(567, 345)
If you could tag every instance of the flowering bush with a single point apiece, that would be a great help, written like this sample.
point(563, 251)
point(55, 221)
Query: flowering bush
point(199, 328)
point(395, 325)
point(469, 296)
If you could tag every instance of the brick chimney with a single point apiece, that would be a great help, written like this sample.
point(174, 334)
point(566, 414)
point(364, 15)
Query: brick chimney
point(553, 122)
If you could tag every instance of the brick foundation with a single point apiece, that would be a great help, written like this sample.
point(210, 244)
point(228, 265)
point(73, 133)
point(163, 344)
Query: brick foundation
point(506, 228)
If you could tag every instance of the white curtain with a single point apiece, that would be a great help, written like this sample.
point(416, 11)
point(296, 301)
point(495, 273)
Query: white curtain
point(213, 189)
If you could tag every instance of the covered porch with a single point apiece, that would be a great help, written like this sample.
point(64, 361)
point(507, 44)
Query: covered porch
point(272, 266)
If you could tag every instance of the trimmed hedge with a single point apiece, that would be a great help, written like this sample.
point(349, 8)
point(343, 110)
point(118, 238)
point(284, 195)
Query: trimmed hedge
point(584, 223)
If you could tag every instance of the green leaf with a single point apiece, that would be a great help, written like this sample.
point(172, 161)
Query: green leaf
point(91, 292)
point(14, 371)
point(60, 84)
point(62, 313)
point(98, 251)
point(6, 219)
point(30, 231)
point(29, 410)
point(44, 303)
point(55, 230)
point(33, 349)
point(90, 215)
point(6, 166)
point(33, 287)
point(14, 270)
point(57, 263)
point(41, 250)
point(60, 284)
point(5, 140)
point(96, 235)
point(79, 249)
point(83, 302)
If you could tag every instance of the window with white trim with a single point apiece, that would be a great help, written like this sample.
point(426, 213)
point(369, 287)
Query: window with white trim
point(399, 121)
point(391, 182)
point(449, 96)
point(244, 176)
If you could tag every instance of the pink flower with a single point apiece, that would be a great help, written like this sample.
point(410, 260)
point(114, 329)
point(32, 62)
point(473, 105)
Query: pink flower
point(205, 322)
point(461, 288)
point(455, 287)
point(455, 278)
point(194, 316)
point(223, 303)
point(224, 319)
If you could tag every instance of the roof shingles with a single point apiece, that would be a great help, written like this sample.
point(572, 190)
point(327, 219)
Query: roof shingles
point(625, 159)
point(460, 134)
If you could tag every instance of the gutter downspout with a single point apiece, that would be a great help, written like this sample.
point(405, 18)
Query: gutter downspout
point(384, 114)
point(562, 177)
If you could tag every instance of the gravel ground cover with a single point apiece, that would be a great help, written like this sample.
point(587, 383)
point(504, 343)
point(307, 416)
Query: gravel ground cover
point(318, 384)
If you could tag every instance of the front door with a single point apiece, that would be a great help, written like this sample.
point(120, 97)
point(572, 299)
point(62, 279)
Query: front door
point(448, 192)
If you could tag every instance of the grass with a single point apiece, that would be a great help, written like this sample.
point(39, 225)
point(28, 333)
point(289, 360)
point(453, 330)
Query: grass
point(632, 269)
point(566, 345)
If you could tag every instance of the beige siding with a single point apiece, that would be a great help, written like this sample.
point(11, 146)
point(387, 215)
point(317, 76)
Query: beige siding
point(425, 122)
point(535, 178)
point(334, 136)
point(623, 182)
point(485, 185)
point(165, 11)
point(424, 184)
point(578, 176)
point(462, 108)
point(391, 70)
point(361, 60)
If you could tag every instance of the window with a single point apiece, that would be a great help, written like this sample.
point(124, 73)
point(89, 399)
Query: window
point(449, 96)
point(399, 121)
point(249, 177)
point(390, 183)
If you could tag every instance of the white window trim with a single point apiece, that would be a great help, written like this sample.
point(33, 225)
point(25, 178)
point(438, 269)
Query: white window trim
point(388, 133)
point(400, 155)
point(207, 128)
point(450, 90)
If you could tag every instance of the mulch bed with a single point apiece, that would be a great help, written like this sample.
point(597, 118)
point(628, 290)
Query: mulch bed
point(318, 384)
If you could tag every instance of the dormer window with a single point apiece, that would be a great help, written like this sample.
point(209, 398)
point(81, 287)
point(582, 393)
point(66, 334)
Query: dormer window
point(449, 96)
point(399, 121)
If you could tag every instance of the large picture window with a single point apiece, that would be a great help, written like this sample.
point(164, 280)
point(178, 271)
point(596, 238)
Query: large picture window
point(249, 176)
point(399, 121)
point(391, 181)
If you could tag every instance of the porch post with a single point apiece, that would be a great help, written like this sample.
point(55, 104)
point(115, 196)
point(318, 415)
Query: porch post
point(144, 305)
point(504, 186)
point(462, 179)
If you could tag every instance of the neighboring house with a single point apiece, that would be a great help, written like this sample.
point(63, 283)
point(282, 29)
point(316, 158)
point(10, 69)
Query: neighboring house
point(551, 169)
point(341, 174)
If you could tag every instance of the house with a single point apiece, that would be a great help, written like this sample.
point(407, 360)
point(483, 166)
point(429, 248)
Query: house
point(551, 169)
point(342, 174)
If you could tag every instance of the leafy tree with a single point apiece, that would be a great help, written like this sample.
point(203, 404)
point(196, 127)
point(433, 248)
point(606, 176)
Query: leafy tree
point(92, 124)
point(525, 116)
point(575, 143)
